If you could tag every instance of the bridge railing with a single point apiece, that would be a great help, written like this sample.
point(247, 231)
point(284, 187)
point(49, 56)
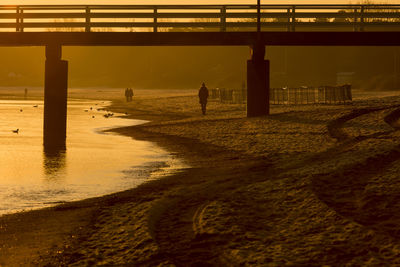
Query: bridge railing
point(155, 18)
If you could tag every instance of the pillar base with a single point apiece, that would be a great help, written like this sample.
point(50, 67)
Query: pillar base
point(55, 104)
point(257, 88)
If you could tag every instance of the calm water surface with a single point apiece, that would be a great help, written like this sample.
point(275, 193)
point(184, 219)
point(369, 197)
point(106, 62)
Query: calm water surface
point(94, 164)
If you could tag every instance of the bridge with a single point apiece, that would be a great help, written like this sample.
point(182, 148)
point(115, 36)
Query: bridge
point(256, 26)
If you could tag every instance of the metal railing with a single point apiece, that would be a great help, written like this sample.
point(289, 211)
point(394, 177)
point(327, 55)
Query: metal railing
point(150, 18)
point(297, 96)
point(311, 95)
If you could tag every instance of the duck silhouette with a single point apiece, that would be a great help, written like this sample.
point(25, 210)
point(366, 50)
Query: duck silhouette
point(15, 131)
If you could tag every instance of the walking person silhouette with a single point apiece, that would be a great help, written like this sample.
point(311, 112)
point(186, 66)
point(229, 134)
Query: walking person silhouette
point(127, 94)
point(203, 96)
point(130, 94)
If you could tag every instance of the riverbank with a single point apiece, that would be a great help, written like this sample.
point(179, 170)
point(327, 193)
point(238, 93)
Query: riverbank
point(308, 185)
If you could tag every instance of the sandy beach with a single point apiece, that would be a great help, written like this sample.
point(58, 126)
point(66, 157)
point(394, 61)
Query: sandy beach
point(307, 185)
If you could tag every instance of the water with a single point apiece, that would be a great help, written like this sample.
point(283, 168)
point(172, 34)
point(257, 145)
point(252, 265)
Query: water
point(94, 164)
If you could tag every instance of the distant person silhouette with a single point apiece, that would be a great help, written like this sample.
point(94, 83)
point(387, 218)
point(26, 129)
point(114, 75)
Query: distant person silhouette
point(203, 96)
point(128, 94)
point(26, 93)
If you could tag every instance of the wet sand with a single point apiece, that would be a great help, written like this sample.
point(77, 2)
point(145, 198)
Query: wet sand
point(308, 185)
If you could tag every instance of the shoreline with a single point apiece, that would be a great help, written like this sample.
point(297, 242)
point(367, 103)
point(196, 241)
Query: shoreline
point(48, 184)
point(272, 190)
point(79, 215)
point(45, 222)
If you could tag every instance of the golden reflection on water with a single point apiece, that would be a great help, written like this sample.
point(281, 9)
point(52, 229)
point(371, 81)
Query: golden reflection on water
point(53, 161)
point(93, 163)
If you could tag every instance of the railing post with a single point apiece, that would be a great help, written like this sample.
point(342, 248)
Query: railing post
point(17, 18)
point(258, 15)
point(155, 20)
point(361, 29)
point(355, 20)
point(223, 19)
point(293, 18)
point(21, 20)
point(87, 28)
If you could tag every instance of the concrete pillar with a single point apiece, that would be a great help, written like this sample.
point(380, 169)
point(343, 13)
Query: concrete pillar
point(258, 82)
point(55, 99)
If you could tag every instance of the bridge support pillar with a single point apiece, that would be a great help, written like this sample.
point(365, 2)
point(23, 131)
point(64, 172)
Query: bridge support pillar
point(55, 99)
point(258, 82)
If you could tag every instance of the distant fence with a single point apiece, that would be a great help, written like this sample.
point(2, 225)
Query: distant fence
point(234, 96)
point(302, 95)
point(311, 95)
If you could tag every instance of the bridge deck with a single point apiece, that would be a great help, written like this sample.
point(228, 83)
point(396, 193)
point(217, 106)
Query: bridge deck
point(200, 38)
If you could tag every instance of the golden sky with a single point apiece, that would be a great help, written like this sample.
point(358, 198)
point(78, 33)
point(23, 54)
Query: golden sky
point(165, 2)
